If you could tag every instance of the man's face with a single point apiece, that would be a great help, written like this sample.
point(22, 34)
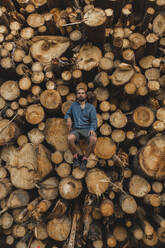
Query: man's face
point(81, 95)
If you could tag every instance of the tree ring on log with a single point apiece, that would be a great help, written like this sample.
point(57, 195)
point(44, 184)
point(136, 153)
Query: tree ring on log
point(70, 188)
point(143, 116)
point(105, 148)
point(50, 99)
point(97, 181)
point(95, 17)
point(152, 158)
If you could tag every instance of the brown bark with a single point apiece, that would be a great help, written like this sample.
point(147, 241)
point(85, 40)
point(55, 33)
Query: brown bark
point(95, 20)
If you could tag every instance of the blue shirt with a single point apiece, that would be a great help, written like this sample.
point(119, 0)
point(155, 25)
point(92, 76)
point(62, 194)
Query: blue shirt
point(82, 118)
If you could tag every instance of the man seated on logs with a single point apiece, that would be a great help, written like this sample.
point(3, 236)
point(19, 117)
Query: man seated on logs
point(82, 123)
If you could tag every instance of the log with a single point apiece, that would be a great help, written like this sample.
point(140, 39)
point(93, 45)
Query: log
point(69, 188)
point(40, 231)
point(36, 136)
point(8, 131)
point(50, 99)
point(58, 127)
point(118, 119)
point(9, 90)
point(143, 116)
point(105, 148)
point(44, 50)
point(59, 209)
point(88, 57)
point(6, 220)
point(122, 75)
point(120, 233)
point(158, 24)
point(48, 189)
point(94, 20)
point(5, 187)
point(137, 42)
point(153, 164)
point(128, 204)
point(152, 199)
point(63, 170)
point(59, 228)
point(34, 114)
point(138, 186)
point(97, 181)
point(106, 207)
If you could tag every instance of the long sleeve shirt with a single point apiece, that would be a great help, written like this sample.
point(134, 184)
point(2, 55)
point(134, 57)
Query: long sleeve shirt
point(82, 118)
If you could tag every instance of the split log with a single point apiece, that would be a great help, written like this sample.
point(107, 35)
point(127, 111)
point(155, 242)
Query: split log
point(48, 189)
point(47, 48)
point(58, 128)
point(25, 170)
point(59, 209)
point(17, 198)
point(122, 75)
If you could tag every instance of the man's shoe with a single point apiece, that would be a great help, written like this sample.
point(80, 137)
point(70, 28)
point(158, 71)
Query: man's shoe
point(83, 164)
point(76, 162)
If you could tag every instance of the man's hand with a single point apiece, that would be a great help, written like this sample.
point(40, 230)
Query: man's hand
point(91, 133)
point(69, 123)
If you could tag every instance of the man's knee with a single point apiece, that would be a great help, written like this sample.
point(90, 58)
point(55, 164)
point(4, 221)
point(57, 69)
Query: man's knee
point(93, 139)
point(71, 138)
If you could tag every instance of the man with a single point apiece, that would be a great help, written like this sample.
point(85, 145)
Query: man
point(82, 122)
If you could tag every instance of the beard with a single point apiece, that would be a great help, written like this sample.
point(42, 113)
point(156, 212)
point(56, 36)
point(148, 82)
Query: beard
point(81, 99)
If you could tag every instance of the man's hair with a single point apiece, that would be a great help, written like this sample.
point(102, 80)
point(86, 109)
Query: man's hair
point(81, 89)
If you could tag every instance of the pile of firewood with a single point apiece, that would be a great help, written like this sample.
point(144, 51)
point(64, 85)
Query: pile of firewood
point(115, 50)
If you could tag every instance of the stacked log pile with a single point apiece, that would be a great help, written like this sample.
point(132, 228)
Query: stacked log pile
point(115, 50)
